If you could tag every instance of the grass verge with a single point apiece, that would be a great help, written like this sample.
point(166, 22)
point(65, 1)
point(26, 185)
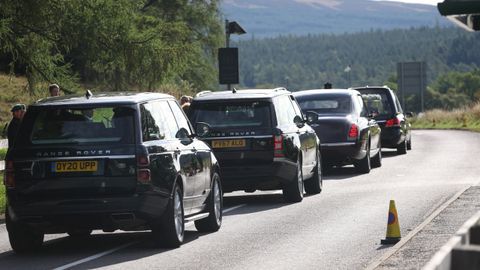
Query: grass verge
point(467, 118)
point(2, 196)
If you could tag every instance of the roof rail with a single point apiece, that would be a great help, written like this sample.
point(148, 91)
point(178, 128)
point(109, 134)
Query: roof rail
point(280, 89)
point(201, 93)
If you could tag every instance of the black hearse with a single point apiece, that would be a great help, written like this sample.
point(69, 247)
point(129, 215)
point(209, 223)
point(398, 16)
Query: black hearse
point(261, 140)
point(109, 161)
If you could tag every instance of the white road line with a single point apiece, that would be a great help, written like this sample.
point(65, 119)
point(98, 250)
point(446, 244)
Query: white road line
point(110, 251)
point(96, 256)
point(233, 208)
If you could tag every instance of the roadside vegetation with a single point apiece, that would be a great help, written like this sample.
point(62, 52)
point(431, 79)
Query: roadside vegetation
point(2, 196)
point(467, 118)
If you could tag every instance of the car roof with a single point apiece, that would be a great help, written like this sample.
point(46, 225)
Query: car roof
point(242, 94)
point(102, 98)
point(386, 88)
point(326, 92)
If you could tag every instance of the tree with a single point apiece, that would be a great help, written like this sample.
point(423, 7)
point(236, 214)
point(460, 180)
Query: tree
point(114, 44)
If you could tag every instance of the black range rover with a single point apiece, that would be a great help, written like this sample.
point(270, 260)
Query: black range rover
point(261, 141)
point(109, 161)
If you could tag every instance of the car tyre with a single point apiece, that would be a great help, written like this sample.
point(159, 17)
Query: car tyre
point(214, 208)
point(409, 144)
point(170, 231)
point(23, 239)
point(364, 165)
point(293, 191)
point(314, 185)
point(402, 148)
point(377, 159)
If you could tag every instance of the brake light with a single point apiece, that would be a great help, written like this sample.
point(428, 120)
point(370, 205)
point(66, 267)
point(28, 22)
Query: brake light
point(353, 132)
point(143, 160)
point(278, 146)
point(9, 178)
point(143, 176)
point(394, 122)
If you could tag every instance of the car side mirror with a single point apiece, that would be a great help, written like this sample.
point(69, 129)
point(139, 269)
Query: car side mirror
point(298, 121)
point(202, 129)
point(312, 117)
point(409, 114)
point(183, 134)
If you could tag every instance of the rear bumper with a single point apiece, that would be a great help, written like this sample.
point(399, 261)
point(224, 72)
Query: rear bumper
point(56, 216)
point(391, 137)
point(344, 152)
point(261, 177)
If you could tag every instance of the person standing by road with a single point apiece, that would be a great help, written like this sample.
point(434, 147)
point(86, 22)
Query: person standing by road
point(185, 103)
point(18, 111)
point(54, 90)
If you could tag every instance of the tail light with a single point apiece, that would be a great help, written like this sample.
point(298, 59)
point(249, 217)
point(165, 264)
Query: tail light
point(143, 160)
point(9, 179)
point(278, 146)
point(353, 132)
point(394, 122)
point(143, 174)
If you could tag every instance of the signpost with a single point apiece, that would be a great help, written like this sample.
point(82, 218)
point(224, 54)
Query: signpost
point(412, 80)
point(228, 57)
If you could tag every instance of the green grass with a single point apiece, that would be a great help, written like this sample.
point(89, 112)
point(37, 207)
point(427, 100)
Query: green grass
point(467, 118)
point(2, 196)
point(3, 153)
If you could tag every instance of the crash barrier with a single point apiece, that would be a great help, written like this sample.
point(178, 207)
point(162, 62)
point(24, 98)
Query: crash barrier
point(462, 251)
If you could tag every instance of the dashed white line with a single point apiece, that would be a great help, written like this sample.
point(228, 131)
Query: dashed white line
point(96, 256)
point(110, 251)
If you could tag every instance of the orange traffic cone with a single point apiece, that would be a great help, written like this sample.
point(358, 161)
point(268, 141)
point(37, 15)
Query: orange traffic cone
point(393, 227)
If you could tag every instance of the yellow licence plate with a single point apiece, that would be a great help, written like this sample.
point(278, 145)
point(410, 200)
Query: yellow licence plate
point(75, 166)
point(228, 143)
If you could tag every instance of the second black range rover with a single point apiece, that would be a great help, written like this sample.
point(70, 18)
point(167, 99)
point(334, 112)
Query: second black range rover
point(109, 161)
point(261, 141)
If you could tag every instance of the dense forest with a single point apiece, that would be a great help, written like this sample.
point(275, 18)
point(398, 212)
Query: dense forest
point(367, 58)
point(111, 44)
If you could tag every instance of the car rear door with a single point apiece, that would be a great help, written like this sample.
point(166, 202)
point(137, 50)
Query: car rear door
point(240, 130)
point(62, 155)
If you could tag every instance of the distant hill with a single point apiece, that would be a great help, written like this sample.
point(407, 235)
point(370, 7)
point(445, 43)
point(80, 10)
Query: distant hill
point(305, 62)
point(268, 18)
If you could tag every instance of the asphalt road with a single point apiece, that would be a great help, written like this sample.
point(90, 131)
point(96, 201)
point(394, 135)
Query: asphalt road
point(339, 229)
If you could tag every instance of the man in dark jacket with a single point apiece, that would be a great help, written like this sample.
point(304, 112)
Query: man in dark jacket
point(17, 115)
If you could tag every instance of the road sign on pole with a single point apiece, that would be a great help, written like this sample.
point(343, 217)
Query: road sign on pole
point(228, 65)
point(412, 80)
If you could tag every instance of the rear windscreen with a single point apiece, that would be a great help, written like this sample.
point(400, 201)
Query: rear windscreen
point(378, 104)
point(325, 104)
point(81, 125)
point(232, 114)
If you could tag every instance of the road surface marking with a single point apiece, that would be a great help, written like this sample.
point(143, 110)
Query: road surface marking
point(96, 256)
point(420, 227)
point(233, 208)
point(110, 251)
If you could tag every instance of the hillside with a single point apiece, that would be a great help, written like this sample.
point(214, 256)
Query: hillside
point(14, 90)
point(269, 18)
point(310, 61)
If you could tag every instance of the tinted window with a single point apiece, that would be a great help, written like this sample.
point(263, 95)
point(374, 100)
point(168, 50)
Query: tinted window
point(158, 122)
point(233, 114)
point(361, 105)
point(326, 103)
point(378, 103)
point(182, 121)
point(82, 125)
point(284, 110)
